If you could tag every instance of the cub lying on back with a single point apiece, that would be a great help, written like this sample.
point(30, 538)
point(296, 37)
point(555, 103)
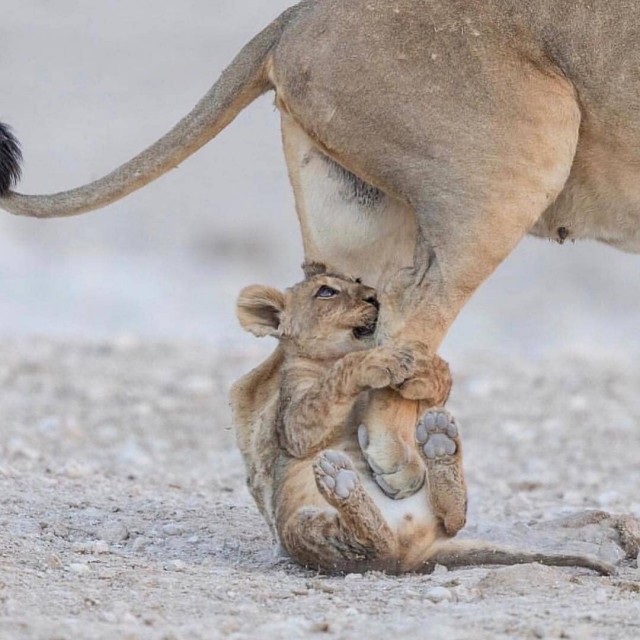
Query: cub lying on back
point(305, 415)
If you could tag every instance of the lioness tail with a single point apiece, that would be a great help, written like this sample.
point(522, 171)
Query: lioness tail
point(240, 84)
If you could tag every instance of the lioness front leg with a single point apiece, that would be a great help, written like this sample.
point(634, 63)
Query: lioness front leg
point(387, 435)
point(477, 162)
point(313, 416)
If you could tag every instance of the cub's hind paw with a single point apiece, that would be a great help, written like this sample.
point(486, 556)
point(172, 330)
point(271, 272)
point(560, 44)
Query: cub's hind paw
point(438, 436)
point(439, 443)
point(335, 476)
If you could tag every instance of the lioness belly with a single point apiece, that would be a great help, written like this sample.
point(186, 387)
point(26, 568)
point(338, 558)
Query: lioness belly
point(601, 200)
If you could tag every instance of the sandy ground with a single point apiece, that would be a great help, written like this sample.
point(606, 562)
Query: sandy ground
point(124, 512)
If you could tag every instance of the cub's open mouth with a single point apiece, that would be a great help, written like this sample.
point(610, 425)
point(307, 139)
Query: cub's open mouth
point(364, 331)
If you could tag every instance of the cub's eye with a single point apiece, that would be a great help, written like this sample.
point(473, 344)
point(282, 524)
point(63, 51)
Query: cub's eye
point(326, 292)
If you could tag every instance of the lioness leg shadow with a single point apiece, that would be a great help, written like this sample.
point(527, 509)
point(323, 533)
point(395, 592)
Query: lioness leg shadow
point(351, 537)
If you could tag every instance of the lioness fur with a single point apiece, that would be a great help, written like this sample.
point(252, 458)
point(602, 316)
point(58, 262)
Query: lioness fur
point(302, 421)
point(424, 139)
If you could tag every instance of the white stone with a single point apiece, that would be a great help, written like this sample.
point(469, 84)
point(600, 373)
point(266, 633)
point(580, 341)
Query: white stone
point(113, 532)
point(175, 565)
point(439, 594)
point(79, 568)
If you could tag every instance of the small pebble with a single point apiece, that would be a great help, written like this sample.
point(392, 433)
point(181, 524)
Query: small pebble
point(611, 552)
point(140, 543)
point(79, 568)
point(353, 577)
point(113, 532)
point(175, 565)
point(82, 547)
point(464, 594)
point(321, 585)
point(439, 570)
point(439, 594)
point(172, 529)
point(53, 561)
point(100, 547)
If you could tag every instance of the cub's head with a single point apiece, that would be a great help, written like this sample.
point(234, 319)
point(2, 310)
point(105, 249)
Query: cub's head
point(327, 315)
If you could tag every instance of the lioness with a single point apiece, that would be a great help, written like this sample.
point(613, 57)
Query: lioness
point(424, 139)
point(303, 416)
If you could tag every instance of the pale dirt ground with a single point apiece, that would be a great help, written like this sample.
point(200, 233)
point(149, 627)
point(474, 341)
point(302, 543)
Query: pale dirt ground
point(123, 509)
point(124, 512)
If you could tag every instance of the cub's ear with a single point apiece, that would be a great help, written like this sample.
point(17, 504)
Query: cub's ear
point(259, 310)
point(312, 269)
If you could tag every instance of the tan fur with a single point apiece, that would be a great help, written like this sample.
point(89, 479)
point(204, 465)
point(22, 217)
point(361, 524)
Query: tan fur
point(303, 420)
point(457, 127)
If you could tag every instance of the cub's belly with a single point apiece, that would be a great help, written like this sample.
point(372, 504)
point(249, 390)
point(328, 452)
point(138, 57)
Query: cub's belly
point(405, 517)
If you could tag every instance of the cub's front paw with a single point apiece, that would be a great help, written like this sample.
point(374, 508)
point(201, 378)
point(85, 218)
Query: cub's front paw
point(385, 367)
point(431, 383)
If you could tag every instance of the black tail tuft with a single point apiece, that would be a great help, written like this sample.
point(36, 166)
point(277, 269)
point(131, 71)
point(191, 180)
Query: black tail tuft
point(10, 159)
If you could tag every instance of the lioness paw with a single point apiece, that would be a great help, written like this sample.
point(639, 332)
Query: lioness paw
point(397, 470)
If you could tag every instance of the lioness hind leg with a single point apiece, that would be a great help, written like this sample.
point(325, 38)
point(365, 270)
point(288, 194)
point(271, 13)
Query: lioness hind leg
point(438, 437)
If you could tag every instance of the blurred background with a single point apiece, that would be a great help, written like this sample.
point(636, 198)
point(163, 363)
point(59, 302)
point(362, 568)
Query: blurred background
point(86, 86)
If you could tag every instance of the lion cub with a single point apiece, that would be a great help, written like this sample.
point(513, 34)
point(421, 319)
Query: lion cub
point(304, 416)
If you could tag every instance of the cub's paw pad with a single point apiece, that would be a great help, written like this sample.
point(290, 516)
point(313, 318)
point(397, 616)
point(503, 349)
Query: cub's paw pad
point(436, 433)
point(335, 474)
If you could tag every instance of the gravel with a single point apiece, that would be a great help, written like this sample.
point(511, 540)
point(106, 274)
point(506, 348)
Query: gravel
point(125, 513)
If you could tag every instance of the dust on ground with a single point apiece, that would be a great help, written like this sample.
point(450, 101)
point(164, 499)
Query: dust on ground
point(124, 511)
